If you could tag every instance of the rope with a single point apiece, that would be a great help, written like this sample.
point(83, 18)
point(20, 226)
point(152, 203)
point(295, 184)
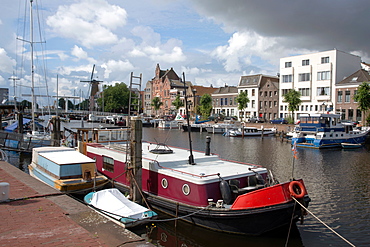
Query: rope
point(345, 240)
point(139, 189)
point(290, 226)
point(33, 197)
point(181, 217)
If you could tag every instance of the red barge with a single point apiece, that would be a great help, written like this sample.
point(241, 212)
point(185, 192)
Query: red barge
point(211, 192)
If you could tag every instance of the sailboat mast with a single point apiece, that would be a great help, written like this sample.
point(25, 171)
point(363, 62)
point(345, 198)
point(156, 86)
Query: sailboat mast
point(32, 69)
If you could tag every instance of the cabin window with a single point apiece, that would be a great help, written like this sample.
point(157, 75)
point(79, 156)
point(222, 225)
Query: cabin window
point(164, 183)
point(186, 189)
point(108, 164)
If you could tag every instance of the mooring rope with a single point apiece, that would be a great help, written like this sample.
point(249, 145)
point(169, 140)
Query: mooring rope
point(290, 225)
point(331, 229)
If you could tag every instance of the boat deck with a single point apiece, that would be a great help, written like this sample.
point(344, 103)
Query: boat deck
point(205, 168)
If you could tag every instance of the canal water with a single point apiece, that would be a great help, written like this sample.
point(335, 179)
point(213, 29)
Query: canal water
point(337, 181)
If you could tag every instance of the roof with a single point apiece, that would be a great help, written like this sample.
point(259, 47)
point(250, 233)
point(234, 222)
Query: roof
point(200, 90)
point(358, 77)
point(65, 157)
point(226, 89)
point(254, 80)
point(179, 83)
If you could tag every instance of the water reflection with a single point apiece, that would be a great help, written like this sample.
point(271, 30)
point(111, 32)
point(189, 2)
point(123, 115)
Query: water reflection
point(337, 181)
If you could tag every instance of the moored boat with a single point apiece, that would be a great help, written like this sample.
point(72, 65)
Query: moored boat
point(213, 193)
point(326, 131)
point(347, 145)
point(65, 169)
point(249, 131)
point(113, 203)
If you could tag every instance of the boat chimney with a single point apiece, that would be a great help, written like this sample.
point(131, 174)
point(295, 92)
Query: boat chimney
point(208, 145)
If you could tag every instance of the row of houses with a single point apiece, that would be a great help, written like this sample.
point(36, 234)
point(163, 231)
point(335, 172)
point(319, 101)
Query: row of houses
point(326, 80)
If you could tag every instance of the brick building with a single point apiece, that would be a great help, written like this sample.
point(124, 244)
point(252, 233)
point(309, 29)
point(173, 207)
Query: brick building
point(345, 91)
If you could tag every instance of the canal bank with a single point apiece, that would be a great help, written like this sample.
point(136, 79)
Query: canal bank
point(53, 220)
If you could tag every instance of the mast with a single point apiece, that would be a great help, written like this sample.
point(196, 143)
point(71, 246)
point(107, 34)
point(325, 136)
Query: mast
point(32, 69)
point(191, 157)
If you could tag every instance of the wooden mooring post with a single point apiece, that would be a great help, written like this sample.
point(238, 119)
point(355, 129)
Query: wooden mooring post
point(136, 159)
point(55, 134)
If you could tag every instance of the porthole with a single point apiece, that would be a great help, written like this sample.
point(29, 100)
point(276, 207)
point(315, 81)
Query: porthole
point(186, 189)
point(164, 183)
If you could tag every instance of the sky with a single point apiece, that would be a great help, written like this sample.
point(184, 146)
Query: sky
point(213, 42)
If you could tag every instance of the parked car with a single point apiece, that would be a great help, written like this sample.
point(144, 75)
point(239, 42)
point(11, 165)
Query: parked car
point(256, 120)
point(216, 117)
point(279, 121)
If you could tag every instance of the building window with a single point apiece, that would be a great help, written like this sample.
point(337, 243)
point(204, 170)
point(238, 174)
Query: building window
point(325, 60)
point(253, 104)
point(323, 75)
point(305, 91)
point(323, 91)
point(225, 101)
point(287, 78)
point(231, 101)
point(270, 93)
point(304, 77)
point(108, 164)
point(347, 98)
point(305, 62)
point(354, 93)
point(284, 91)
point(288, 64)
point(253, 92)
point(340, 96)
point(275, 103)
point(222, 101)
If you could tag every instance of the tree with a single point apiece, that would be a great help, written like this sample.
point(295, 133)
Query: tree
point(205, 106)
point(177, 102)
point(156, 103)
point(362, 97)
point(242, 100)
point(293, 98)
point(116, 98)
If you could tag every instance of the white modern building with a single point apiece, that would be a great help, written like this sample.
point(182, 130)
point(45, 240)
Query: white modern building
point(314, 76)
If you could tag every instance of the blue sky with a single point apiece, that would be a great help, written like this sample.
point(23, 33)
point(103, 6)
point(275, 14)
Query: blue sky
point(213, 42)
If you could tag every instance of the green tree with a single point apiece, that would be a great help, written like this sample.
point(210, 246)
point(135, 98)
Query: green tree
point(205, 106)
point(156, 103)
point(362, 97)
point(116, 98)
point(293, 98)
point(177, 103)
point(242, 100)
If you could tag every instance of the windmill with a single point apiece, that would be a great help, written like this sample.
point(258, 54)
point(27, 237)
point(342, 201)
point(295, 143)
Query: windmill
point(93, 88)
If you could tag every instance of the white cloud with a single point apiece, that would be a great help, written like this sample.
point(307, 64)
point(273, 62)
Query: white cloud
point(194, 70)
point(90, 22)
point(244, 48)
point(152, 47)
point(6, 63)
point(117, 67)
point(79, 52)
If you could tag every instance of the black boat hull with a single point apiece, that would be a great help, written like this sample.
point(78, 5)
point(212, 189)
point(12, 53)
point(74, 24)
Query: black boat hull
point(252, 222)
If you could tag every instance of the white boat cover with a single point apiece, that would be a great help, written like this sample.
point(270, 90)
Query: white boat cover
point(113, 201)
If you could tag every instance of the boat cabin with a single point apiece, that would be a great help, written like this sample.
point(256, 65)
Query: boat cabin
point(320, 122)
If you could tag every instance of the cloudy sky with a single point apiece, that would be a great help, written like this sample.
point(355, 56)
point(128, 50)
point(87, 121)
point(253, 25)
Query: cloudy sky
point(213, 42)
